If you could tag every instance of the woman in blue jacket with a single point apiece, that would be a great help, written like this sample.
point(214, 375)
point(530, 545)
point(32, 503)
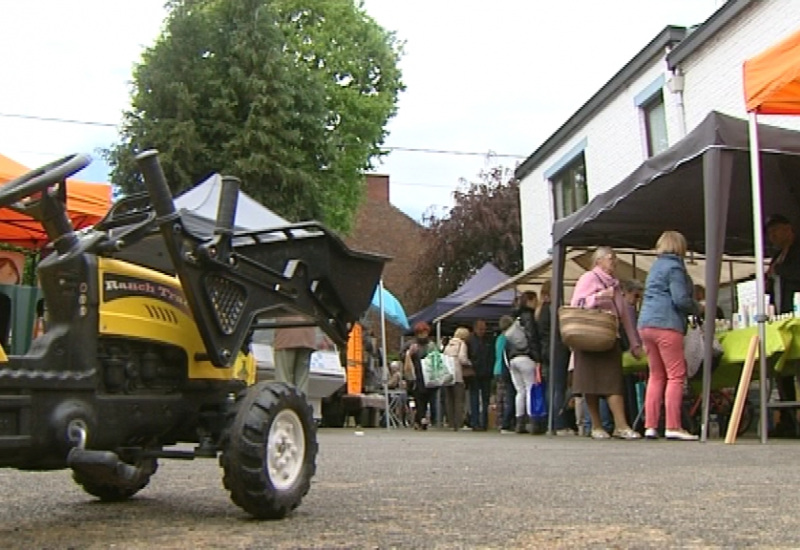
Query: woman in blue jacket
point(662, 323)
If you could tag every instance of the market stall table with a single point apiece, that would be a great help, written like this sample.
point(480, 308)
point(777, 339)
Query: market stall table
point(782, 349)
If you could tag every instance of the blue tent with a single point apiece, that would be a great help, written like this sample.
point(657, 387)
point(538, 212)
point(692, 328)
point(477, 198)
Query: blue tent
point(392, 308)
point(490, 309)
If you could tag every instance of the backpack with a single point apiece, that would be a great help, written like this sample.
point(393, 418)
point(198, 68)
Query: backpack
point(516, 337)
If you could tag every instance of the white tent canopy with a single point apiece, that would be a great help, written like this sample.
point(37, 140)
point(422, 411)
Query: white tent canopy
point(203, 200)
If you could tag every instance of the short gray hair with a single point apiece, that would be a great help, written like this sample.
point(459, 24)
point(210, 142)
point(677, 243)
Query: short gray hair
point(601, 252)
point(632, 285)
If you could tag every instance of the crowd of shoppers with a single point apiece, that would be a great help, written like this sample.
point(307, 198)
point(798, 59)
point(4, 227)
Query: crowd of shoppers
point(501, 371)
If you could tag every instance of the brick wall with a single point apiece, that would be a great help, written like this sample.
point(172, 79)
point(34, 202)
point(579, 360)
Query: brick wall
point(378, 188)
point(382, 228)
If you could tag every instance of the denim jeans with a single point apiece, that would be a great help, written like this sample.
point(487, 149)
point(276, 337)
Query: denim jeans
point(479, 390)
point(605, 416)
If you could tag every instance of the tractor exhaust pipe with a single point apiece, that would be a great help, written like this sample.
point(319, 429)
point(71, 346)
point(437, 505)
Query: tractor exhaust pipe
point(103, 466)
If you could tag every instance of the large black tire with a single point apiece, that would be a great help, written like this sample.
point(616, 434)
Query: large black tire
point(269, 450)
point(113, 492)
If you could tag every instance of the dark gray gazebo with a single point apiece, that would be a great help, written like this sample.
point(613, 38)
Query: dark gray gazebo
point(701, 187)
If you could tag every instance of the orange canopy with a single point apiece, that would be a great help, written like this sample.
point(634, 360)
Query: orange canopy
point(87, 203)
point(772, 79)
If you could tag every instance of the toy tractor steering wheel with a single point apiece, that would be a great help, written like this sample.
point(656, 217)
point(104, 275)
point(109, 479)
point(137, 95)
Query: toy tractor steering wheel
point(41, 178)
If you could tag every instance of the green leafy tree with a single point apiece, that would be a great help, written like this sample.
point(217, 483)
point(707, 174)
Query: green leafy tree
point(356, 60)
point(286, 97)
point(483, 226)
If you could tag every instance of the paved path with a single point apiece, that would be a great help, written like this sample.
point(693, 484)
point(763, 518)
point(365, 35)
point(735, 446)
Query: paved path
point(438, 489)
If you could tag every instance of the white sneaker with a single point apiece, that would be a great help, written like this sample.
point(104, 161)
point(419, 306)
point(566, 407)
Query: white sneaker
point(565, 431)
point(651, 433)
point(680, 435)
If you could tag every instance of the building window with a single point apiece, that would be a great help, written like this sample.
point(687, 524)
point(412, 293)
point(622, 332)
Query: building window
point(569, 187)
point(655, 124)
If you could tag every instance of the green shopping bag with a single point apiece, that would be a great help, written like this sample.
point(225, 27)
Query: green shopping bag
point(438, 369)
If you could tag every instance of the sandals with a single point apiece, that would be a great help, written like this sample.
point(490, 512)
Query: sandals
point(626, 433)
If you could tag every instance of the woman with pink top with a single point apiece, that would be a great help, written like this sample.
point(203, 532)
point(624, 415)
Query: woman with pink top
point(599, 374)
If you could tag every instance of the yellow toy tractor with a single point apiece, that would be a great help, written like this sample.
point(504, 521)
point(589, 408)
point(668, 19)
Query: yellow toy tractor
point(140, 356)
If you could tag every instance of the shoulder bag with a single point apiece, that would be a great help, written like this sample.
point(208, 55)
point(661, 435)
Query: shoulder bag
point(694, 347)
point(586, 329)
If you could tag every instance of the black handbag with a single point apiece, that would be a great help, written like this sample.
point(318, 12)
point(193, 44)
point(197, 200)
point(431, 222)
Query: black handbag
point(624, 342)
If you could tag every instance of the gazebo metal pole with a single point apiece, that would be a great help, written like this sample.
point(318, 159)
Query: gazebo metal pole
point(556, 298)
point(755, 169)
point(384, 360)
point(733, 289)
point(717, 173)
point(438, 420)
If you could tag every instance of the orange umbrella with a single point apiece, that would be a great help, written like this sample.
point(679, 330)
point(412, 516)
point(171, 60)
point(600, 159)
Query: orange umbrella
point(87, 203)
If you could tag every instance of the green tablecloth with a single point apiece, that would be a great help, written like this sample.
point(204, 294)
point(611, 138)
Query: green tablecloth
point(782, 343)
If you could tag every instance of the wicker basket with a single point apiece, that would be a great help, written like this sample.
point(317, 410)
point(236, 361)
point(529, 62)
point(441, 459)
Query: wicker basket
point(587, 329)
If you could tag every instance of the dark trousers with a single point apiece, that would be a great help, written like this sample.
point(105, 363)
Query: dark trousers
point(786, 392)
point(559, 381)
point(423, 397)
point(454, 405)
point(509, 407)
point(479, 390)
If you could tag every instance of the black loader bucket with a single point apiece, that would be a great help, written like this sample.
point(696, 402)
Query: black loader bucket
point(235, 281)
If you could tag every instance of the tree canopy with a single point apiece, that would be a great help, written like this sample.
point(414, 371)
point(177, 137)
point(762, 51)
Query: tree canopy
point(483, 226)
point(291, 96)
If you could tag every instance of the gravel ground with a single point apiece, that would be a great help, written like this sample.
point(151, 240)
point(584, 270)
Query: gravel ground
point(438, 489)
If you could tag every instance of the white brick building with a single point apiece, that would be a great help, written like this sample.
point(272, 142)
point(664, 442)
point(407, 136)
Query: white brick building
point(641, 111)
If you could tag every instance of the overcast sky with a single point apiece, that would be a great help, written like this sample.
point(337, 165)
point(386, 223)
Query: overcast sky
point(483, 76)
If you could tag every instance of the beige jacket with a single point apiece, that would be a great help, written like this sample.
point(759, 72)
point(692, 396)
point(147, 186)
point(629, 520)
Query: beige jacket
point(457, 348)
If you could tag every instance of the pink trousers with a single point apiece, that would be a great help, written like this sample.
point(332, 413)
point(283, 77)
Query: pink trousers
point(667, 375)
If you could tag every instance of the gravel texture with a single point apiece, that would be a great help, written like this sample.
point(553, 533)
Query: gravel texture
point(439, 489)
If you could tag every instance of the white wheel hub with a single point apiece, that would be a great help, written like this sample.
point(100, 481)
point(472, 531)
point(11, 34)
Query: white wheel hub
point(286, 449)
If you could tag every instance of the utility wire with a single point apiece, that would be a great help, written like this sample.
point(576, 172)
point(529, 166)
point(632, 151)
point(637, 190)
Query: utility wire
point(431, 185)
point(54, 119)
point(449, 152)
point(398, 149)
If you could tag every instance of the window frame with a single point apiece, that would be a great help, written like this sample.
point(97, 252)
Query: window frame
point(566, 177)
point(647, 109)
